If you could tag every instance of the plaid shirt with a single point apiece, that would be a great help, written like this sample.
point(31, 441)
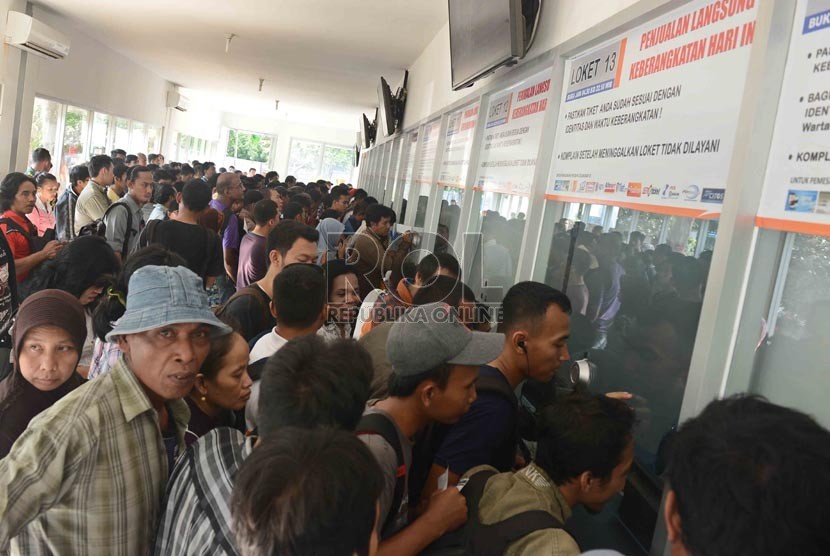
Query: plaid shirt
point(197, 518)
point(88, 475)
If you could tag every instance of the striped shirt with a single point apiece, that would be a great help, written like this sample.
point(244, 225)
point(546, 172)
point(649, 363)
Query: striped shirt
point(197, 516)
point(88, 475)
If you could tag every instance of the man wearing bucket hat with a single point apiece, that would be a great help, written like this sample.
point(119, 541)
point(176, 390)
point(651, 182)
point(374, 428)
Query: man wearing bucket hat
point(88, 475)
point(435, 362)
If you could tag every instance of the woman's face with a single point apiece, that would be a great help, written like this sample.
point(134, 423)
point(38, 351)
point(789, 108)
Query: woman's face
point(344, 299)
point(231, 387)
point(47, 357)
point(48, 191)
point(91, 294)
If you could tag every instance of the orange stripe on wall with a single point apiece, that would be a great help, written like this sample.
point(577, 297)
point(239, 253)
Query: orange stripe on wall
point(620, 63)
point(811, 228)
point(659, 209)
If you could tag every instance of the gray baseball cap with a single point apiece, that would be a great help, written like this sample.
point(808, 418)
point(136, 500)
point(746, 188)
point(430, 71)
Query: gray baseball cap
point(160, 296)
point(427, 336)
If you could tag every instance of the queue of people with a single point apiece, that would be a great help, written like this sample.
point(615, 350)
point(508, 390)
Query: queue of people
point(199, 361)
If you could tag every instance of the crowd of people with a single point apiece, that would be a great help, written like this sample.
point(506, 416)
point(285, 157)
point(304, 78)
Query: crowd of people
point(199, 361)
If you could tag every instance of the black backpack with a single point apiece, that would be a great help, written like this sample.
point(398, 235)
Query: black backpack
point(430, 440)
point(99, 227)
point(36, 243)
point(375, 423)
point(478, 539)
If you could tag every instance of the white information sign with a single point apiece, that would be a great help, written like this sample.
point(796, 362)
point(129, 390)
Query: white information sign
point(458, 145)
point(512, 134)
point(429, 146)
point(796, 194)
point(648, 121)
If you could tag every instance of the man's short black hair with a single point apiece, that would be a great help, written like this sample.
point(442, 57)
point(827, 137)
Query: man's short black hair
point(264, 210)
point(119, 170)
point(98, 163)
point(251, 197)
point(304, 199)
point(117, 152)
point(131, 158)
point(583, 432)
point(527, 302)
point(41, 155)
point(441, 289)
point(286, 233)
point(290, 180)
point(429, 265)
point(291, 210)
point(77, 173)
point(135, 171)
point(313, 383)
point(196, 195)
point(307, 492)
point(758, 471)
point(163, 194)
point(360, 194)
point(163, 175)
point(208, 165)
point(152, 157)
point(186, 170)
point(299, 295)
point(377, 212)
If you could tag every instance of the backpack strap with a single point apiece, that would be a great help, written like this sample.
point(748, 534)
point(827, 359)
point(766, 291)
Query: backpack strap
point(227, 213)
point(495, 538)
point(375, 423)
point(148, 235)
point(497, 385)
point(129, 231)
point(12, 226)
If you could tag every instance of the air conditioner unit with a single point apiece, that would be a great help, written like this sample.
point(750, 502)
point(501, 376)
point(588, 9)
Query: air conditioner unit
point(177, 101)
point(30, 35)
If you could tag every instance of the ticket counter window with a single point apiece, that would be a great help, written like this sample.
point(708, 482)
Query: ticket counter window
point(637, 296)
point(498, 229)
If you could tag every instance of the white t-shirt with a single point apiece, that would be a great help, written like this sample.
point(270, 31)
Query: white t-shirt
point(266, 346)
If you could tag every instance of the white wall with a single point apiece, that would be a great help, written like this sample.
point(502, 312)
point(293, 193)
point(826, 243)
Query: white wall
point(430, 85)
point(92, 76)
point(9, 67)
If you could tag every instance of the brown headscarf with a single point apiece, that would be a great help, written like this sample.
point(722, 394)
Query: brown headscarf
point(20, 401)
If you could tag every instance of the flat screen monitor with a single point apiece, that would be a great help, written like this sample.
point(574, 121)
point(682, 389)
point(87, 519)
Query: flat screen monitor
point(484, 35)
point(386, 116)
point(365, 131)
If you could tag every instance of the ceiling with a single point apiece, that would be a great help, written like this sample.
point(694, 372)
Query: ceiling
point(321, 57)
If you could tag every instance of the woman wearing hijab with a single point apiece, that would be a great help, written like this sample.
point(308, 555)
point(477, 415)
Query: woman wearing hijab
point(48, 338)
point(331, 233)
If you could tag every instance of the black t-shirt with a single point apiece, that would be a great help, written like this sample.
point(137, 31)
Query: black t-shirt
point(8, 292)
point(198, 246)
point(250, 307)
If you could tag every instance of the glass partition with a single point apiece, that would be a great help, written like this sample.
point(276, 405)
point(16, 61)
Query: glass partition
point(138, 138)
point(75, 137)
point(45, 119)
point(430, 132)
point(100, 130)
point(791, 354)
point(453, 169)
point(122, 134)
point(153, 139)
point(408, 169)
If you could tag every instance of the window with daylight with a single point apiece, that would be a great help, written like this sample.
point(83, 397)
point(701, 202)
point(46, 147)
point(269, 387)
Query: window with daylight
point(313, 160)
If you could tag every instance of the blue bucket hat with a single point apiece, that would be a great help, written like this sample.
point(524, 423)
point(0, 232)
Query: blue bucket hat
point(162, 295)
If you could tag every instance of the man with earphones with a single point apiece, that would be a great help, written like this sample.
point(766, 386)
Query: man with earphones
point(536, 324)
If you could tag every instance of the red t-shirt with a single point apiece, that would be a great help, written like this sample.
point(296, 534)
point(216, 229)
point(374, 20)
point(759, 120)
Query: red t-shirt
point(18, 242)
